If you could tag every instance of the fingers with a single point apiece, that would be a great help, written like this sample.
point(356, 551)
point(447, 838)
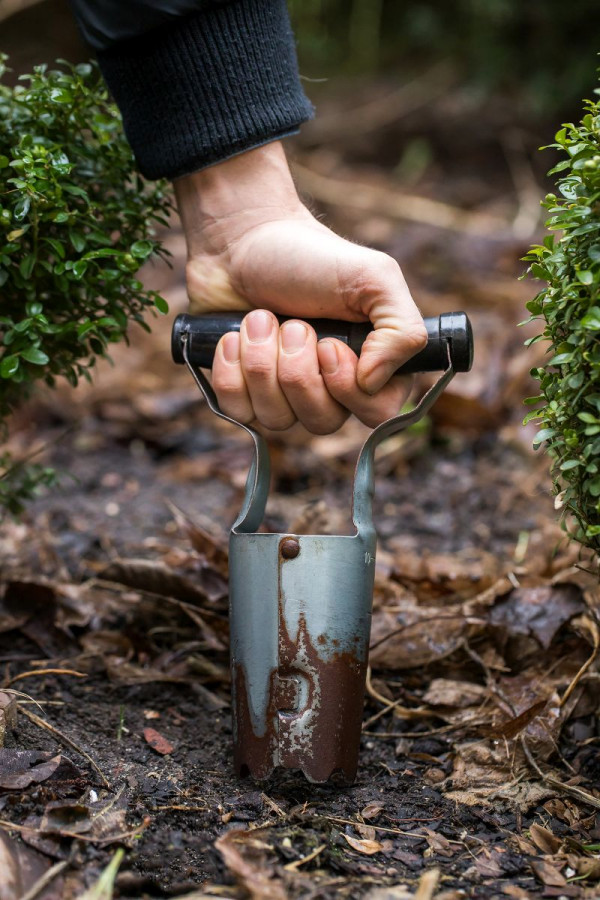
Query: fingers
point(301, 380)
point(278, 376)
point(339, 367)
point(272, 374)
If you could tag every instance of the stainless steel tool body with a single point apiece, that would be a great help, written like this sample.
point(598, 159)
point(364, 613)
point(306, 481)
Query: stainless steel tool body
point(300, 609)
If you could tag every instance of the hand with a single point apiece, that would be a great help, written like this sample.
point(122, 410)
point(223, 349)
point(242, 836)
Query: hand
point(253, 245)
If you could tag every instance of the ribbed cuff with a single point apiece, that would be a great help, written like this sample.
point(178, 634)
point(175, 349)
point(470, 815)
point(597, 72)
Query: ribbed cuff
point(216, 83)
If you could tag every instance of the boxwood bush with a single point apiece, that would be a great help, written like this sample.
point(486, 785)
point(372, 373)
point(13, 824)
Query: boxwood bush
point(76, 224)
point(568, 305)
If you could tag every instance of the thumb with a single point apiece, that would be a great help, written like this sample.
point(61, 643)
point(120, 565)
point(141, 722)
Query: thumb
point(399, 333)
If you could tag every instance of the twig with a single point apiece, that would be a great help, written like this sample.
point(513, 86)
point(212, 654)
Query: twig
point(44, 880)
point(428, 884)
point(380, 828)
point(33, 672)
point(577, 793)
point(294, 866)
point(443, 729)
point(403, 711)
point(110, 839)
point(182, 808)
point(41, 723)
point(460, 615)
point(596, 638)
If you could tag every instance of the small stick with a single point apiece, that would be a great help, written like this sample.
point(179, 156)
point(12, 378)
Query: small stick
point(596, 637)
point(44, 880)
point(41, 723)
point(294, 866)
point(33, 672)
point(403, 711)
point(382, 828)
point(570, 789)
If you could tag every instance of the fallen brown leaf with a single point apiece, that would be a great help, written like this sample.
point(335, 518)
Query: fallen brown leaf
point(372, 810)
point(21, 868)
point(8, 714)
point(544, 839)
point(158, 743)
point(514, 726)
point(547, 873)
point(251, 874)
point(20, 768)
point(368, 847)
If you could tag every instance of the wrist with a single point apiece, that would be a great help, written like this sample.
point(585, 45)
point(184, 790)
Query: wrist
point(219, 204)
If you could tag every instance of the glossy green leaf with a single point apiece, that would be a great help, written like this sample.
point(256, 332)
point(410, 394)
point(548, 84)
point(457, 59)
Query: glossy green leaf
point(35, 355)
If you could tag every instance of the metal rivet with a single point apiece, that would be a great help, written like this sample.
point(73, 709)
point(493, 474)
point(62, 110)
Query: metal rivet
point(290, 548)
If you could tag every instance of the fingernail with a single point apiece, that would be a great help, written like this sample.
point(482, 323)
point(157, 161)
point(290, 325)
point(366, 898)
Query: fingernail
point(231, 347)
point(293, 336)
point(259, 325)
point(328, 356)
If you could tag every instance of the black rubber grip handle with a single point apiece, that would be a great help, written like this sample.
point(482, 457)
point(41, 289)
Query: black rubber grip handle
point(453, 329)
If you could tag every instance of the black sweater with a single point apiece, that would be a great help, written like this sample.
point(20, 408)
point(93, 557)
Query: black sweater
point(197, 81)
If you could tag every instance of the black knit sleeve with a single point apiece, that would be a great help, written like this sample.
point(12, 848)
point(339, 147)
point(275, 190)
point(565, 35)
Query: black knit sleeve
point(205, 85)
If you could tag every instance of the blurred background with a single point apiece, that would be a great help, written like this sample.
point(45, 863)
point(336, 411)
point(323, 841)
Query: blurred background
point(426, 145)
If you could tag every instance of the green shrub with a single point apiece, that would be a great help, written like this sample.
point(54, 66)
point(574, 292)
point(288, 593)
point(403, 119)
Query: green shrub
point(569, 307)
point(76, 224)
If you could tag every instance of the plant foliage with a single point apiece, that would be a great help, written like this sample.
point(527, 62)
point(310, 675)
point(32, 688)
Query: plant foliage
point(76, 224)
point(569, 307)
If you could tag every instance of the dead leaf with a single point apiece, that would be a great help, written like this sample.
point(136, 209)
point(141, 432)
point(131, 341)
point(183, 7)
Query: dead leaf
point(20, 768)
point(487, 865)
point(459, 694)
point(547, 873)
point(372, 810)
point(438, 843)
point(366, 831)
point(523, 845)
point(213, 547)
point(251, 874)
point(154, 577)
point(588, 867)
point(538, 612)
point(20, 868)
point(369, 848)
point(514, 726)
point(8, 714)
point(446, 576)
point(544, 839)
point(158, 743)
point(100, 819)
point(415, 636)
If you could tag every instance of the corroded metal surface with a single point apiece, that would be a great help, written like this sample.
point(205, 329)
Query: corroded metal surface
point(300, 616)
point(299, 645)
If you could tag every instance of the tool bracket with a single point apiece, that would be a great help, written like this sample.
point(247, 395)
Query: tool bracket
point(300, 617)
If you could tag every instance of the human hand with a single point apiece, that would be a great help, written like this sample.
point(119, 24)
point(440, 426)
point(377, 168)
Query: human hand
point(253, 245)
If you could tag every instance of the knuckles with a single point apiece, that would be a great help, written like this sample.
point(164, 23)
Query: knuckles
point(259, 369)
point(294, 378)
